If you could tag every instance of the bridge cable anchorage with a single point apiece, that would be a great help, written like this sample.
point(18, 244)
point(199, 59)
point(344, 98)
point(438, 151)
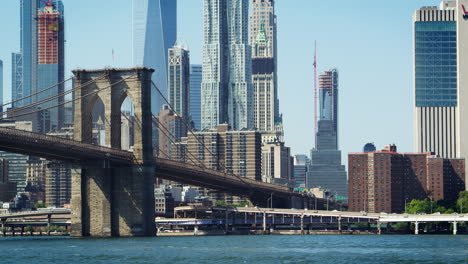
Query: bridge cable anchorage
point(43, 101)
point(73, 100)
point(199, 141)
point(173, 141)
point(36, 93)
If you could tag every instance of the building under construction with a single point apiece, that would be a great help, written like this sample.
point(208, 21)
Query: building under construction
point(51, 62)
point(326, 170)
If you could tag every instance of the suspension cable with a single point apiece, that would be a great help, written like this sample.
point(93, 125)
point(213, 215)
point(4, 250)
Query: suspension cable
point(43, 101)
point(75, 99)
point(36, 93)
point(173, 141)
point(199, 141)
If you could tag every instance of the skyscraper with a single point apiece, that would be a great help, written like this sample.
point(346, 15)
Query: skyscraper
point(179, 81)
point(263, 40)
point(195, 94)
point(40, 64)
point(440, 81)
point(51, 63)
point(28, 28)
point(154, 32)
point(301, 163)
point(227, 93)
point(326, 170)
point(17, 91)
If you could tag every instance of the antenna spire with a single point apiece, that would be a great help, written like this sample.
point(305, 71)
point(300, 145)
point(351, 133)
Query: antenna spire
point(315, 94)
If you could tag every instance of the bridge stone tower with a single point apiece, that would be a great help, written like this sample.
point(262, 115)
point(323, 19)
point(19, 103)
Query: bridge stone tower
point(108, 199)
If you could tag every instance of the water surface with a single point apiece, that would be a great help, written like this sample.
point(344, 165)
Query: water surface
point(238, 249)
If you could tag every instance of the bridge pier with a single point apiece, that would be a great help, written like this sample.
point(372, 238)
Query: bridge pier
point(416, 228)
point(455, 228)
point(108, 199)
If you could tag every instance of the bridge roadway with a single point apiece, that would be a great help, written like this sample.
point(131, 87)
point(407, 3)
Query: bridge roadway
point(52, 147)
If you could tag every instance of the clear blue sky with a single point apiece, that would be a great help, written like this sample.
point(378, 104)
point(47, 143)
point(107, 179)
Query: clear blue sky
point(368, 41)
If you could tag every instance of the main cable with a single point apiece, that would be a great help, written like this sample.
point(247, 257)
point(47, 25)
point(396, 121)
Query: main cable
point(36, 93)
point(75, 99)
point(43, 101)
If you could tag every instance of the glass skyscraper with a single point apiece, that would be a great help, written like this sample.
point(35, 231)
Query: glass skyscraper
point(435, 80)
point(154, 32)
point(227, 92)
point(29, 74)
point(16, 78)
point(195, 94)
point(436, 63)
point(51, 63)
point(325, 169)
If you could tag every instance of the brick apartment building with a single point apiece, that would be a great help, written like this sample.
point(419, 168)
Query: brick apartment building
point(384, 181)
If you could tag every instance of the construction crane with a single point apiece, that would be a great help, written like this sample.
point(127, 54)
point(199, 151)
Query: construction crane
point(315, 94)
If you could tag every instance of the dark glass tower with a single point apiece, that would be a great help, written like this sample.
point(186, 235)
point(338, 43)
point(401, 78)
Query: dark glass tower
point(326, 170)
point(195, 94)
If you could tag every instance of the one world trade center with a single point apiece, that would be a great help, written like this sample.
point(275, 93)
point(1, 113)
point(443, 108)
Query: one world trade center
point(154, 32)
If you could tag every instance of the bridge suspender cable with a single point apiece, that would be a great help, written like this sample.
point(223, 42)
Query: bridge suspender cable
point(199, 141)
point(173, 141)
point(74, 99)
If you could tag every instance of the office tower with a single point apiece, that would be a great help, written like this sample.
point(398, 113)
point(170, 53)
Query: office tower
point(1, 85)
point(171, 130)
point(40, 64)
point(28, 31)
point(17, 91)
point(195, 94)
point(179, 81)
point(301, 164)
point(326, 170)
point(264, 65)
point(51, 63)
point(440, 82)
point(385, 181)
point(227, 93)
point(154, 32)
point(277, 166)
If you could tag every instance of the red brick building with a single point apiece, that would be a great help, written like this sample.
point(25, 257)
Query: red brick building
point(383, 181)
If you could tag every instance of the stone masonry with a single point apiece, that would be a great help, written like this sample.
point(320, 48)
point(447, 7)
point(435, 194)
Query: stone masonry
point(108, 199)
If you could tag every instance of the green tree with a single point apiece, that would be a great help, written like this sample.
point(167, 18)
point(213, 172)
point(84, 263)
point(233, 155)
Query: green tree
point(462, 202)
point(39, 205)
point(419, 206)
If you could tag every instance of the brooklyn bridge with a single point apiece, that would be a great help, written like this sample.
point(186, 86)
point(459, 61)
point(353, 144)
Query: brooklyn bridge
point(113, 189)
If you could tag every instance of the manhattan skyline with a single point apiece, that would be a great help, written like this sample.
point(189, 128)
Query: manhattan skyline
point(370, 44)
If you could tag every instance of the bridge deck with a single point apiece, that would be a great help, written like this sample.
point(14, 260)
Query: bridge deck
point(52, 147)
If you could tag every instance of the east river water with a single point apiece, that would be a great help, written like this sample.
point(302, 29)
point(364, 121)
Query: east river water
point(239, 249)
